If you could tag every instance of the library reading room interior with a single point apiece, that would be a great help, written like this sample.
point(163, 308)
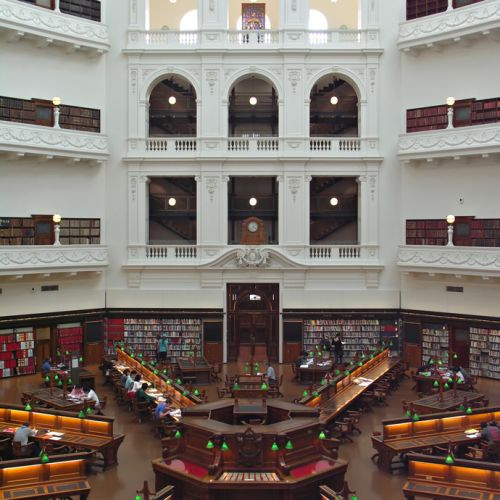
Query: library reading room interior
point(249, 249)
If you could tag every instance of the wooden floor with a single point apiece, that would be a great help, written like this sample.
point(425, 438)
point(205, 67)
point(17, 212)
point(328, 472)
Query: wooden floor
point(140, 446)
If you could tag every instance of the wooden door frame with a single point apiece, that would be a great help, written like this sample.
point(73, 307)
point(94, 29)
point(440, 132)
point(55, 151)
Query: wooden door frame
point(235, 293)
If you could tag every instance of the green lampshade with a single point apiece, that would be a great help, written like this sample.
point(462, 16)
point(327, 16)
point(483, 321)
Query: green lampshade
point(168, 381)
point(178, 381)
point(408, 413)
point(436, 383)
point(177, 434)
point(455, 356)
point(416, 418)
point(354, 497)
point(236, 386)
point(246, 368)
point(70, 381)
point(446, 385)
point(210, 444)
point(440, 362)
point(257, 366)
point(263, 386)
point(66, 352)
point(56, 377)
point(140, 354)
point(152, 363)
point(311, 354)
point(47, 379)
point(28, 407)
point(224, 446)
point(461, 407)
point(132, 355)
point(351, 362)
point(371, 356)
point(431, 362)
point(390, 344)
point(196, 392)
point(185, 393)
point(89, 411)
point(322, 435)
point(45, 458)
point(289, 445)
point(275, 447)
point(460, 381)
point(305, 393)
point(58, 353)
point(315, 393)
point(80, 359)
point(323, 381)
point(81, 414)
point(449, 459)
point(363, 356)
point(59, 384)
point(143, 363)
point(346, 373)
point(138, 497)
point(155, 371)
point(468, 410)
point(337, 372)
point(360, 363)
point(164, 371)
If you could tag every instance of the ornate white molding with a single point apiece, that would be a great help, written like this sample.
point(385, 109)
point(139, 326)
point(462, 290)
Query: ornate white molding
point(52, 259)
point(450, 260)
point(456, 142)
point(49, 141)
point(252, 257)
point(23, 19)
point(450, 26)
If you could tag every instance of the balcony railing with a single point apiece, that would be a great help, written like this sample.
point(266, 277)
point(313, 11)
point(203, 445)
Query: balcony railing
point(453, 25)
point(46, 26)
point(199, 255)
point(36, 259)
point(478, 140)
point(166, 40)
point(450, 260)
point(234, 147)
point(21, 139)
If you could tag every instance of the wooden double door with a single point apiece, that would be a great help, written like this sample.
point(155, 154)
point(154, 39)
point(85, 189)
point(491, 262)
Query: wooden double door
point(253, 321)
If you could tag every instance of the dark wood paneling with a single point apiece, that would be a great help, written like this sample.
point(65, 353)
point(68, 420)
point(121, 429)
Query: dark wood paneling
point(291, 351)
point(213, 352)
point(93, 353)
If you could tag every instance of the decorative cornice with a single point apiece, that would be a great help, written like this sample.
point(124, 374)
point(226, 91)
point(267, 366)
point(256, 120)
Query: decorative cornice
point(460, 141)
point(46, 23)
point(36, 139)
point(467, 260)
point(449, 25)
point(21, 259)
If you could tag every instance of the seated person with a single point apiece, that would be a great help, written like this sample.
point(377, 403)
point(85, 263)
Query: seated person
point(490, 432)
point(457, 372)
point(162, 409)
point(137, 383)
point(23, 434)
point(46, 366)
point(124, 376)
point(77, 392)
point(129, 382)
point(301, 360)
point(90, 395)
point(141, 396)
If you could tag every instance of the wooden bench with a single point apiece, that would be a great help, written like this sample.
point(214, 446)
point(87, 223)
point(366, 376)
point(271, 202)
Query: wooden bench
point(93, 433)
point(64, 476)
point(404, 435)
point(431, 477)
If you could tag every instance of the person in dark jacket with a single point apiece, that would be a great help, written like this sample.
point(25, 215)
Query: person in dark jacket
point(338, 349)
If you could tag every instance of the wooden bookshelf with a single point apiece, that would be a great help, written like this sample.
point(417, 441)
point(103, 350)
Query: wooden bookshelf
point(88, 9)
point(21, 231)
point(435, 342)
point(466, 112)
point(17, 351)
point(40, 112)
point(114, 334)
point(422, 8)
point(70, 339)
point(484, 355)
point(479, 233)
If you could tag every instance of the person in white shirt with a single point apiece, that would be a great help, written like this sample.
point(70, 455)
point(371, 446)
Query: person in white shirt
point(270, 374)
point(22, 435)
point(92, 396)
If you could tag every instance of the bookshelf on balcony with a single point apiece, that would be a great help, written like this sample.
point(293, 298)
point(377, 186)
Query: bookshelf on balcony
point(87, 9)
point(422, 8)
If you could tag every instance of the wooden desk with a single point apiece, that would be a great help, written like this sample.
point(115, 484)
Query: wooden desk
point(313, 373)
point(425, 383)
point(432, 404)
point(55, 399)
point(28, 479)
point(430, 477)
point(249, 391)
point(401, 436)
point(246, 409)
point(199, 368)
point(83, 376)
point(90, 433)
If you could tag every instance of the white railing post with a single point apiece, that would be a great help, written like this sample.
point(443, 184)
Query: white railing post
point(450, 5)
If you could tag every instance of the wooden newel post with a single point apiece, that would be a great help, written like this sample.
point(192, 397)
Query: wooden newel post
point(145, 491)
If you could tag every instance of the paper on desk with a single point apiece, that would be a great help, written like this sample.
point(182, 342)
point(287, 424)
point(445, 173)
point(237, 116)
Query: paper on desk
point(56, 433)
point(54, 438)
point(304, 366)
point(175, 413)
point(363, 382)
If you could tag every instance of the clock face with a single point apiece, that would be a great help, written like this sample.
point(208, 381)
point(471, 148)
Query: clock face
point(252, 226)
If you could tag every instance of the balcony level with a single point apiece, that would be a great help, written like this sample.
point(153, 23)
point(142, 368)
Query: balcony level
point(448, 22)
point(464, 128)
point(456, 261)
point(39, 128)
point(259, 147)
point(50, 259)
point(256, 40)
point(59, 23)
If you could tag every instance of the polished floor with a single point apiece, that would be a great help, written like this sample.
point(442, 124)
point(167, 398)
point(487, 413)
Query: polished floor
point(140, 445)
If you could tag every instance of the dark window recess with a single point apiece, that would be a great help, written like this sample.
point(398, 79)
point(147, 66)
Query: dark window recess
point(88, 9)
point(422, 8)
point(456, 289)
point(50, 288)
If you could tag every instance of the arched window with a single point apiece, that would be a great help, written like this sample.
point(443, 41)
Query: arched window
point(333, 109)
point(172, 108)
point(317, 25)
point(189, 21)
point(239, 23)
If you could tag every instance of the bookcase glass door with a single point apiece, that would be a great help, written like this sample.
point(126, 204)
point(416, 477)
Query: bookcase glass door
point(44, 230)
point(460, 343)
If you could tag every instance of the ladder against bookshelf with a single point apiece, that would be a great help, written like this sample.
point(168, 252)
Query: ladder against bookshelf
point(484, 360)
point(17, 351)
point(435, 342)
point(70, 338)
point(357, 334)
point(182, 334)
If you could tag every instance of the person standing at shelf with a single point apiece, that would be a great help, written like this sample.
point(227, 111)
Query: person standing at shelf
point(46, 366)
point(162, 349)
point(270, 374)
point(338, 349)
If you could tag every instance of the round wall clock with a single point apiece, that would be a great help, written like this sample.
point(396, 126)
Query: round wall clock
point(253, 226)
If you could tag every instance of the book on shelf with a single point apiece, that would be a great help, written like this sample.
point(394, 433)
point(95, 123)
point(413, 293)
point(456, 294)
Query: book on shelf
point(17, 351)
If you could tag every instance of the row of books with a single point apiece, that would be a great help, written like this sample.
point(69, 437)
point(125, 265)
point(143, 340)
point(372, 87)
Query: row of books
point(484, 353)
point(17, 355)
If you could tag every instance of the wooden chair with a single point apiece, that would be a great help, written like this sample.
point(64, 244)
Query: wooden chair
point(344, 427)
point(215, 371)
point(355, 416)
point(380, 394)
point(141, 409)
point(5, 447)
point(19, 451)
point(367, 400)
